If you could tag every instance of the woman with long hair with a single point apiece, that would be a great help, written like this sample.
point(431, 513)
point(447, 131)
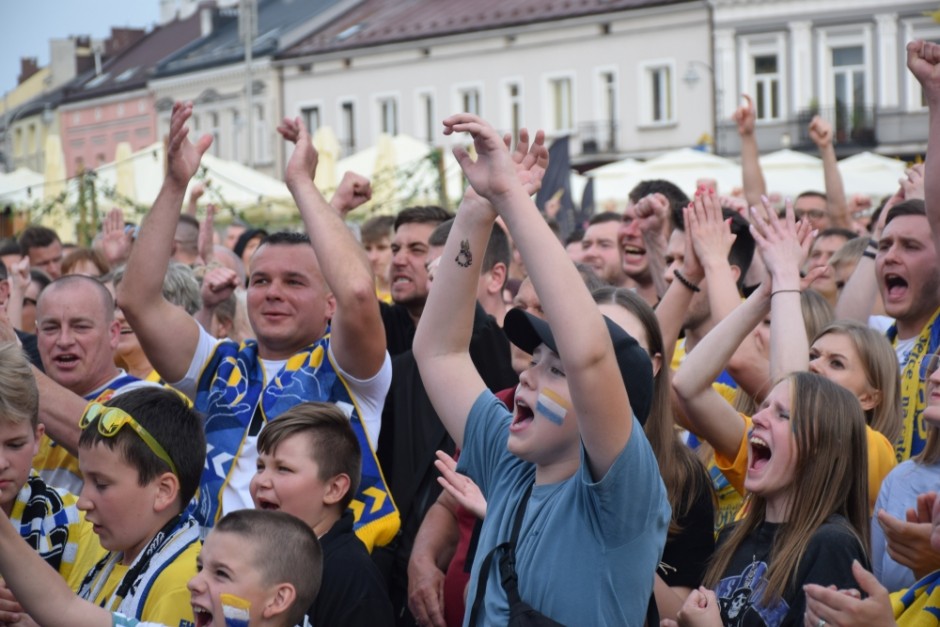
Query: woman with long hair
point(808, 511)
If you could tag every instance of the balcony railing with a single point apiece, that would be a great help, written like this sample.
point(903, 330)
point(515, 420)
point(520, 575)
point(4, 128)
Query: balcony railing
point(598, 137)
point(852, 126)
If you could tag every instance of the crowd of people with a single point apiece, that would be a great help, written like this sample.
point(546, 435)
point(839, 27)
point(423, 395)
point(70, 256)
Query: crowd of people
point(702, 411)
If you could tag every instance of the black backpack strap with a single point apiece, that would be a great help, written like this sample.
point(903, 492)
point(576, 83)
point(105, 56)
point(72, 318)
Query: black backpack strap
point(510, 548)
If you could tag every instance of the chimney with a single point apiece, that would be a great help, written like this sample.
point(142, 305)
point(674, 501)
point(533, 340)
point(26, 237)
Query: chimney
point(121, 39)
point(168, 11)
point(207, 12)
point(28, 67)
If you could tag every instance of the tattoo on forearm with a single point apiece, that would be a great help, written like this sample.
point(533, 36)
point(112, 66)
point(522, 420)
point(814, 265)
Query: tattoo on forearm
point(464, 257)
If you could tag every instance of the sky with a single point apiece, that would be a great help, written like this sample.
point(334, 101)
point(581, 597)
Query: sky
point(26, 26)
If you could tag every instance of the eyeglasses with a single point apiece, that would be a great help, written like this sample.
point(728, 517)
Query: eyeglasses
point(111, 420)
point(812, 214)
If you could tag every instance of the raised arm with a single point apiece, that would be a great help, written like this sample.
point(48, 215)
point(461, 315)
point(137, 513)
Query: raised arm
point(442, 340)
point(820, 131)
point(357, 332)
point(38, 587)
point(783, 244)
point(923, 60)
point(579, 330)
point(751, 172)
point(167, 333)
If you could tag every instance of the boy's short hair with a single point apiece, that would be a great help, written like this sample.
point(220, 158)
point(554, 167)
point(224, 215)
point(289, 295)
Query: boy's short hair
point(333, 443)
point(19, 397)
point(285, 550)
point(374, 229)
point(171, 422)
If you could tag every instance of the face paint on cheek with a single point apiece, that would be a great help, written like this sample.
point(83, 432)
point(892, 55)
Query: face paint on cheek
point(551, 405)
point(235, 609)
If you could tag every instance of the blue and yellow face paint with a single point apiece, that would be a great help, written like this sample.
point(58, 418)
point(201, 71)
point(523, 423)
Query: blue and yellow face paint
point(235, 609)
point(551, 405)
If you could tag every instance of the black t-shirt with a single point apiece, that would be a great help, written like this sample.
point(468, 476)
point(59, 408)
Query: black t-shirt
point(827, 561)
point(686, 554)
point(352, 592)
point(399, 328)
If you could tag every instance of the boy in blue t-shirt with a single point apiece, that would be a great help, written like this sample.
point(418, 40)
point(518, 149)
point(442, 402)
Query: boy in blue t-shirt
point(593, 529)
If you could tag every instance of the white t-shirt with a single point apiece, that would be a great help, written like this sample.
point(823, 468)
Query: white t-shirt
point(369, 393)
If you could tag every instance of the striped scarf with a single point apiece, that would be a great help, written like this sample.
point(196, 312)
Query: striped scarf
point(46, 522)
point(232, 388)
point(919, 605)
point(913, 389)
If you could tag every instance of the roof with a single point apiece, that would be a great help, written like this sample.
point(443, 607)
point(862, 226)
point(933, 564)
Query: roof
point(132, 68)
point(276, 18)
point(377, 22)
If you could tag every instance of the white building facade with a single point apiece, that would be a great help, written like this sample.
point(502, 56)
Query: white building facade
point(842, 59)
point(612, 80)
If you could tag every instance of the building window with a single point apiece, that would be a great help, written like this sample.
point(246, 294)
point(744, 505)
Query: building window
point(311, 117)
point(848, 79)
point(560, 100)
point(661, 93)
point(514, 102)
point(426, 116)
point(388, 115)
point(214, 131)
point(348, 122)
point(766, 87)
point(236, 134)
point(470, 100)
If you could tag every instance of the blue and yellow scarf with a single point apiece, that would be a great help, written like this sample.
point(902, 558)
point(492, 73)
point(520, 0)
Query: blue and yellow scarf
point(232, 388)
point(914, 389)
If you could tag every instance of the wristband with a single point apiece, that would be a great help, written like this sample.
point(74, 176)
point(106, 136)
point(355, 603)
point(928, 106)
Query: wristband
point(685, 281)
point(868, 253)
point(872, 243)
point(772, 294)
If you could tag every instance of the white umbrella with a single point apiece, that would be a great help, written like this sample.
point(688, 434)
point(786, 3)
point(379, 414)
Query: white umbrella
point(685, 167)
point(21, 186)
point(870, 174)
point(790, 173)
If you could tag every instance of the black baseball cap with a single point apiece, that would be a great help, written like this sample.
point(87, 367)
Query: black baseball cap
point(527, 332)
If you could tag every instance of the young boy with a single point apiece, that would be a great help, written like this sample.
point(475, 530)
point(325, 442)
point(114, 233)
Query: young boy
point(268, 560)
point(142, 456)
point(45, 517)
point(309, 465)
point(589, 538)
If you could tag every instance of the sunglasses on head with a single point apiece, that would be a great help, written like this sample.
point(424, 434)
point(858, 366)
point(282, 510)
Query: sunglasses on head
point(111, 420)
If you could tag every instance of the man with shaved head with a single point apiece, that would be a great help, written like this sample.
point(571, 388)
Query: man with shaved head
point(77, 335)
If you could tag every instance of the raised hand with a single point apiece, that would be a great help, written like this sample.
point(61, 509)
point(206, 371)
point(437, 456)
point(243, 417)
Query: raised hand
point(461, 487)
point(353, 191)
point(116, 242)
point(493, 173)
point(217, 285)
point(783, 244)
point(744, 116)
point(710, 233)
point(531, 160)
point(820, 131)
point(303, 162)
point(923, 60)
point(183, 156)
